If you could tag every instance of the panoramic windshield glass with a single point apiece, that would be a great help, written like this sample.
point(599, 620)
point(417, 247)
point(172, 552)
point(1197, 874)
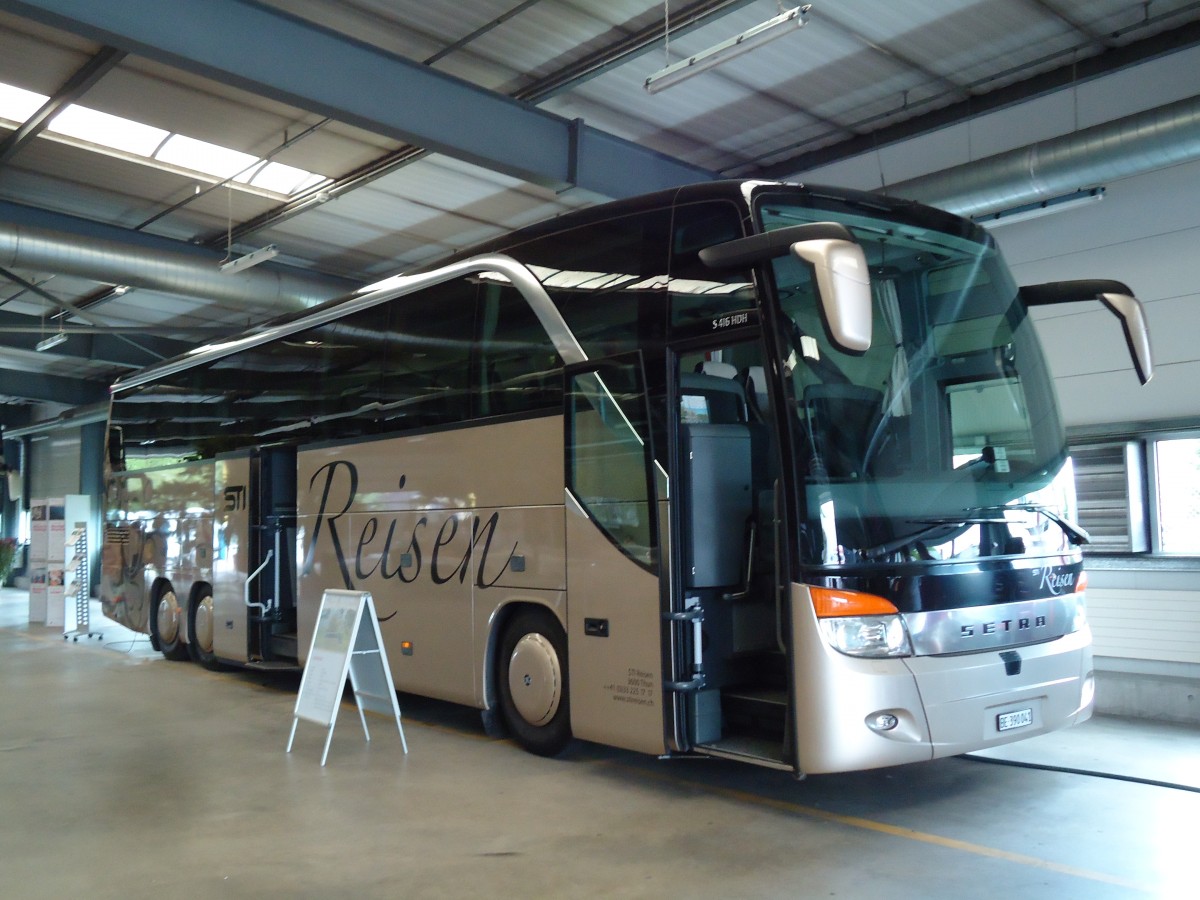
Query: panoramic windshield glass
point(942, 441)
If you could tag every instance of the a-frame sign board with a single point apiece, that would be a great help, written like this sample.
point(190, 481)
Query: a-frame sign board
point(346, 641)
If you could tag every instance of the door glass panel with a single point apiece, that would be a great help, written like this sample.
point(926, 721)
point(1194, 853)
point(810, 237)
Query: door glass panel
point(608, 455)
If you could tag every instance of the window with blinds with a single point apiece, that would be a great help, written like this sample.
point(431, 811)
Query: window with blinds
point(1110, 488)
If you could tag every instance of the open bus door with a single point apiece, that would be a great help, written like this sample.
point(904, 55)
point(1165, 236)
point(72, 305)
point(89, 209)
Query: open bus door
point(614, 560)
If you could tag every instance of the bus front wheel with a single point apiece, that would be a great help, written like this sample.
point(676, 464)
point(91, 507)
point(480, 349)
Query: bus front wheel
point(533, 682)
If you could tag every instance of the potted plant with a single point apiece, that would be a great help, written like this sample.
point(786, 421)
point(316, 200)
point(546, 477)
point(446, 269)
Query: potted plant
point(8, 556)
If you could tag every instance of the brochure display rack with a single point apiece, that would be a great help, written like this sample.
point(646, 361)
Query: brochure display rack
point(78, 584)
point(59, 586)
point(39, 549)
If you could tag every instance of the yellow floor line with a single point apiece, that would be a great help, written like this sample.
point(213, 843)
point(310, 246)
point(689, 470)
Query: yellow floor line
point(898, 831)
point(814, 813)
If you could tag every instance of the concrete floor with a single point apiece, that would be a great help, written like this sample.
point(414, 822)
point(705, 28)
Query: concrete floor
point(124, 775)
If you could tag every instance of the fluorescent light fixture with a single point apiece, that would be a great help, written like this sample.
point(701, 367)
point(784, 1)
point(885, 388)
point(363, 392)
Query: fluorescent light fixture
point(253, 258)
point(782, 24)
point(1029, 211)
point(53, 341)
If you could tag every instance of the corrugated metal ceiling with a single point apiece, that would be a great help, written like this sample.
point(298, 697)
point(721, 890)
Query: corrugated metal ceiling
point(859, 69)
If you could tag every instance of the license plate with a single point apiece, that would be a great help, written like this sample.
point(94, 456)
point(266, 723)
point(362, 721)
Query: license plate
point(1010, 720)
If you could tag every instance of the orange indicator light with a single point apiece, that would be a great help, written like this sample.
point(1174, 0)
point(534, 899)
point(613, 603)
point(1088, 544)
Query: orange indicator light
point(830, 603)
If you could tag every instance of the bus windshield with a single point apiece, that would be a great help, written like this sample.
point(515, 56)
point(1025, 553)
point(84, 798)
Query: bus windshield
point(942, 442)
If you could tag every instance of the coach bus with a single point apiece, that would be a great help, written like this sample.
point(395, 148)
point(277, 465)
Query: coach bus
point(751, 470)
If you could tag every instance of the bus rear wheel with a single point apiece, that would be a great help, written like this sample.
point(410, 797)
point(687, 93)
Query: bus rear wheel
point(164, 625)
point(200, 627)
point(533, 682)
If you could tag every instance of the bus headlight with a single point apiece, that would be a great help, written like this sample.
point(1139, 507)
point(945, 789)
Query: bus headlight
point(860, 624)
point(870, 636)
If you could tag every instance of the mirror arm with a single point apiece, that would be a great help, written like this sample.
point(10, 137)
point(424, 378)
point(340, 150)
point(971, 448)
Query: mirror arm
point(839, 267)
point(1117, 298)
point(758, 248)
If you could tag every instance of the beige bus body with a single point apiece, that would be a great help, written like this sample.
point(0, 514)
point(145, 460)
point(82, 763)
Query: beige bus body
point(450, 532)
point(445, 530)
point(158, 544)
point(945, 705)
point(548, 551)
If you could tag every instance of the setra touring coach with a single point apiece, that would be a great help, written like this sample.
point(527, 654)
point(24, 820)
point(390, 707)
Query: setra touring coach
point(752, 470)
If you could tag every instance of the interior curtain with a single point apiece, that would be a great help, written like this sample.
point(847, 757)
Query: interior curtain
point(898, 400)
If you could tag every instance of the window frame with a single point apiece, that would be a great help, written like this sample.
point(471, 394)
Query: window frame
point(1141, 481)
point(1150, 443)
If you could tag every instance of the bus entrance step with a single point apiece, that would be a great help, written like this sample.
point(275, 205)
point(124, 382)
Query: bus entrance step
point(758, 709)
point(273, 665)
point(284, 645)
point(760, 751)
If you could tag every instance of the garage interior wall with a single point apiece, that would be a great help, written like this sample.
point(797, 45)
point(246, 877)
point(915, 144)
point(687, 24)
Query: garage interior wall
point(55, 462)
point(68, 460)
point(1145, 613)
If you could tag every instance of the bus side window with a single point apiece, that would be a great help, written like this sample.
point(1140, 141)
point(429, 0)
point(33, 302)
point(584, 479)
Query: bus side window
point(425, 374)
point(517, 368)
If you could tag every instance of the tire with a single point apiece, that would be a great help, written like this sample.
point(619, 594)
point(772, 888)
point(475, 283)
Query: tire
point(534, 694)
point(164, 624)
point(200, 627)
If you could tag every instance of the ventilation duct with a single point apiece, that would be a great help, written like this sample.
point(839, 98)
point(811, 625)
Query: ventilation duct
point(270, 288)
point(1141, 143)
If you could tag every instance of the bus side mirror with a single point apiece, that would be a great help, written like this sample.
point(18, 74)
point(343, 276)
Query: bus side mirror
point(844, 284)
point(1118, 298)
point(843, 280)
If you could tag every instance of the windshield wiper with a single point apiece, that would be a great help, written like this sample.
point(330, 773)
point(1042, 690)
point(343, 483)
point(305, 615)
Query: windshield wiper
point(1075, 534)
point(932, 526)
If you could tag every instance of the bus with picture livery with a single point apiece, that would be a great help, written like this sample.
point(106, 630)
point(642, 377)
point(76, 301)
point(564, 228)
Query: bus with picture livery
point(751, 470)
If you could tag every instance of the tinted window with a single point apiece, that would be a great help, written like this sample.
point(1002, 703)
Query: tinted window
point(516, 368)
point(608, 279)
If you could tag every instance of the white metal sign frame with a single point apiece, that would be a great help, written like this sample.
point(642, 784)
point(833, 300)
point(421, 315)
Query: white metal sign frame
point(346, 642)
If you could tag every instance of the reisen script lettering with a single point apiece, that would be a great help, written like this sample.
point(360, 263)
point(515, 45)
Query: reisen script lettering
point(383, 547)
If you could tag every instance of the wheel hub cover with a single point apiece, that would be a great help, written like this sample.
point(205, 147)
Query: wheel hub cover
point(168, 617)
point(204, 625)
point(535, 679)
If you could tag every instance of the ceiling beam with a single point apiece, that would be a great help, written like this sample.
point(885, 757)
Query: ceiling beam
point(50, 388)
point(73, 88)
point(64, 307)
point(276, 55)
point(13, 415)
point(594, 64)
point(683, 21)
point(20, 332)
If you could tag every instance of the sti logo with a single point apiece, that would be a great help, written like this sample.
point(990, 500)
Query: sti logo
point(235, 498)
